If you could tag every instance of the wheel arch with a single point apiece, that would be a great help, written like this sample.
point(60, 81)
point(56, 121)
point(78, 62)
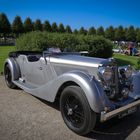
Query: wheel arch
point(63, 86)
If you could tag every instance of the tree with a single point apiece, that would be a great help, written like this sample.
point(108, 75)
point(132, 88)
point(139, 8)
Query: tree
point(68, 29)
point(54, 27)
point(120, 34)
point(47, 26)
point(5, 27)
point(82, 31)
point(110, 33)
point(28, 25)
point(100, 31)
point(138, 36)
point(75, 31)
point(38, 25)
point(131, 34)
point(17, 26)
point(61, 28)
point(92, 31)
point(137, 30)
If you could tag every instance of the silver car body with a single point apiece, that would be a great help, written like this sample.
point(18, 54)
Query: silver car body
point(47, 76)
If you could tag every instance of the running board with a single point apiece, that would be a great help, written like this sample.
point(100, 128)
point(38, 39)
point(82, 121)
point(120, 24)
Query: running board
point(38, 91)
point(24, 85)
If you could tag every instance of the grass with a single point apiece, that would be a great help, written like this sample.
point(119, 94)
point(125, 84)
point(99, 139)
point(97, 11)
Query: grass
point(126, 60)
point(4, 50)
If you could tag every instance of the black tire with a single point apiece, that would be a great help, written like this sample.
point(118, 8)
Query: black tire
point(8, 77)
point(76, 111)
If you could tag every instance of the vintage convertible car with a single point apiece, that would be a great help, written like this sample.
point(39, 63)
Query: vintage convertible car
point(89, 89)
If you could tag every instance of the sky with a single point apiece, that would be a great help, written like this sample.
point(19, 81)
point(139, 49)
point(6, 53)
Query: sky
point(76, 13)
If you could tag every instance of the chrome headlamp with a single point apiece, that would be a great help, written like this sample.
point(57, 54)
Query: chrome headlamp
point(105, 73)
point(128, 71)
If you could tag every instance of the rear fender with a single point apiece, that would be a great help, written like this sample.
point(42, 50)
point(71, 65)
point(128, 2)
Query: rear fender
point(15, 70)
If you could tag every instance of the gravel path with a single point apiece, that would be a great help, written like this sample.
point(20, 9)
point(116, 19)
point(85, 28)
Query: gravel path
point(24, 117)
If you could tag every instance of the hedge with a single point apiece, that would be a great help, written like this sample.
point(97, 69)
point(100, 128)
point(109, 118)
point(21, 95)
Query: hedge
point(39, 41)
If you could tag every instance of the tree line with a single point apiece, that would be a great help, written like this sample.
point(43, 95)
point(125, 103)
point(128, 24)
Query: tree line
point(18, 27)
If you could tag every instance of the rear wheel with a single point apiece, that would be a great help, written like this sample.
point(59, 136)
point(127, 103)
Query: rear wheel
point(76, 111)
point(8, 77)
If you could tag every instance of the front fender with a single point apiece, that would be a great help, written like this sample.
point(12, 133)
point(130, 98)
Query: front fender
point(135, 93)
point(92, 89)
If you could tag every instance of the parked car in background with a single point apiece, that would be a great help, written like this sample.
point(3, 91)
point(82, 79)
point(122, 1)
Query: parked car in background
point(89, 89)
point(118, 50)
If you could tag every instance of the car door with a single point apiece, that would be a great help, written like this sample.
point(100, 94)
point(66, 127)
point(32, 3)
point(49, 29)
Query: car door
point(36, 72)
point(33, 71)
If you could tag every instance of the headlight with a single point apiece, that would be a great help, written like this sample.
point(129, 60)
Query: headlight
point(128, 71)
point(105, 73)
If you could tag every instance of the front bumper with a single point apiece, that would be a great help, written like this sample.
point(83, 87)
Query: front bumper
point(106, 116)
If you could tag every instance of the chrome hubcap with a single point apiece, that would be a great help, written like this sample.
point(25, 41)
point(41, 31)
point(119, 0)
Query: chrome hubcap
point(70, 111)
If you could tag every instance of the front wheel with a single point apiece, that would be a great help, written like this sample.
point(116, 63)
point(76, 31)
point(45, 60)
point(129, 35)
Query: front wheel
point(76, 111)
point(8, 77)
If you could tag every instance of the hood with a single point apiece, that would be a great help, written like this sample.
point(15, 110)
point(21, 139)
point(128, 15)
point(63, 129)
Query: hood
point(77, 60)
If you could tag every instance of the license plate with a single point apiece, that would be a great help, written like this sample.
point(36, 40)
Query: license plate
point(127, 112)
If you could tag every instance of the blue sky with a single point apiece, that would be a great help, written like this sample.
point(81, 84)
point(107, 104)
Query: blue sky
point(76, 13)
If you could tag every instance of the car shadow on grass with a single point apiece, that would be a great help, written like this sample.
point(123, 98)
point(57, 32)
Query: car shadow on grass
point(114, 129)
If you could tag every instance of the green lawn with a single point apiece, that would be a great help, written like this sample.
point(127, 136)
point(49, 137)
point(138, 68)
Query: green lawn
point(126, 60)
point(4, 50)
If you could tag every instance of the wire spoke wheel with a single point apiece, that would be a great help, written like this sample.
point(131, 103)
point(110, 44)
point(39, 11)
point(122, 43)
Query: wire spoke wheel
point(76, 111)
